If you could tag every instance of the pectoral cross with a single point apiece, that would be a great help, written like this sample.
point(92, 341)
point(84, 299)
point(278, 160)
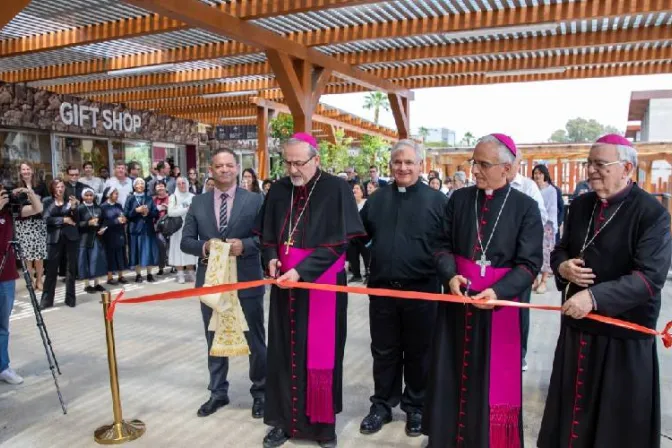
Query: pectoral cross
point(483, 263)
point(290, 242)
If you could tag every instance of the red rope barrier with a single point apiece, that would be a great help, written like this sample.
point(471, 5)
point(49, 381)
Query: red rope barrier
point(665, 334)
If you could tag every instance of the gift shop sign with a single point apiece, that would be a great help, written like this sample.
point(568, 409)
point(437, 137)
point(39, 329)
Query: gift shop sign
point(74, 114)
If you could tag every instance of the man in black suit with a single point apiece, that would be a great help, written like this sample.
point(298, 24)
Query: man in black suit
point(229, 213)
point(373, 176)
point(73, 187)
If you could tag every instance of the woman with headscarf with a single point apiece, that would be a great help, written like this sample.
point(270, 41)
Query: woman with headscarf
point(542, 177)
point(92, 263)
point(178, 206)
point(141, 213)
point(114, 237)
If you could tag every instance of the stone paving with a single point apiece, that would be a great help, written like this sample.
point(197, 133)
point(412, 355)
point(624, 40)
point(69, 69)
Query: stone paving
point(163, 377)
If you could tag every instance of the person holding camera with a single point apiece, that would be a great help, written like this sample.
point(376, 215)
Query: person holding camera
point(8, 275)
point(61, 215)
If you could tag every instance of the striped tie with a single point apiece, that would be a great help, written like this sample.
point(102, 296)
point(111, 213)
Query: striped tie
point(223, 214)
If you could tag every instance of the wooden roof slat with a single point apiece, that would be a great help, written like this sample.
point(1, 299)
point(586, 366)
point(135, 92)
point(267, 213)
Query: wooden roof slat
point(11, 8)
point(401, 28)
point(481, 48)
point(151, 24)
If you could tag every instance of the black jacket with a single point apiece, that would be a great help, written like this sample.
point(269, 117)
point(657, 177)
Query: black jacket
point(53, 215)
point(88, 233)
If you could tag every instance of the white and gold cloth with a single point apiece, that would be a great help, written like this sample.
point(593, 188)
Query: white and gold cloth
point(228, 320)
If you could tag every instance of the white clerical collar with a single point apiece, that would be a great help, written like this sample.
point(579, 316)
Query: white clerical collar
point(401, 189)
point(489, 192)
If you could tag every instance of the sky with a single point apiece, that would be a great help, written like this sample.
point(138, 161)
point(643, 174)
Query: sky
point(529, 112)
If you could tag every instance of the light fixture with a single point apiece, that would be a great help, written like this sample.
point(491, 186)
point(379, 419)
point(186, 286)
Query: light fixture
point(532, 71)
point(238, 118)
point(226, 94)
point(483, 32)
point(143, 69)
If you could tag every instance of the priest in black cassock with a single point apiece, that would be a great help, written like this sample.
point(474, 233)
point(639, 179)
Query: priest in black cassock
point(612, 260)
point(403, 222)
point(490, 249)
point(309, 218)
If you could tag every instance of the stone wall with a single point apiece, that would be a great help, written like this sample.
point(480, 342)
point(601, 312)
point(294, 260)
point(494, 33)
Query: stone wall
point(26, 107)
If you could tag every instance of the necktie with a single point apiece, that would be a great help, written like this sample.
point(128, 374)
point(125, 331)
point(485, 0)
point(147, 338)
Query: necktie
point(223, 214)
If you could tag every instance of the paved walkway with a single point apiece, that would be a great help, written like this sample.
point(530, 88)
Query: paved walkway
point(163, 376)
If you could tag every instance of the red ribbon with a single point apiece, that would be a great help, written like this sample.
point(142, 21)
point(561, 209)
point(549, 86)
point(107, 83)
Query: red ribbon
point(665, 334)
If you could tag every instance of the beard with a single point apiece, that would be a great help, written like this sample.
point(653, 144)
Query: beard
point(297, 181)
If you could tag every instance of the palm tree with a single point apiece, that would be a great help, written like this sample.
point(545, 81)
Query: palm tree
point(468, 139)
point(424, 133)
point(376, 101)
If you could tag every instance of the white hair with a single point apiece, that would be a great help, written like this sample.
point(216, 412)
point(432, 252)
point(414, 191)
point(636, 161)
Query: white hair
point(627, 154)
point(461, 176)
point(408, 143)
point(505, 154)
point(297, 141)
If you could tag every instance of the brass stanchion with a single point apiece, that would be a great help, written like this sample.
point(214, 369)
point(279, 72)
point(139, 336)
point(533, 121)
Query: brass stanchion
point(120, 431)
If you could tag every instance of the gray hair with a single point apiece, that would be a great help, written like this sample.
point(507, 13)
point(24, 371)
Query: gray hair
point(297, 141)
point(408, 143)
point(461, 176)
point(627, 154)
point(505, 154)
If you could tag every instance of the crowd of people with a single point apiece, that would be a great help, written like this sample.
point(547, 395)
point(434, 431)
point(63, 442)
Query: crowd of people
point(455, 369)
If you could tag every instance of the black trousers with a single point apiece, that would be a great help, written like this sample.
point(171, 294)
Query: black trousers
point(525, 319)
point(253, 308)
point(162, 243)
point(354, 251)
point(401, 335)
point(66, 250)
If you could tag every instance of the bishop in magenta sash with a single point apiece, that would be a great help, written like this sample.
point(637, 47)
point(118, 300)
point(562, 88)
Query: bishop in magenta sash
point(492, 249)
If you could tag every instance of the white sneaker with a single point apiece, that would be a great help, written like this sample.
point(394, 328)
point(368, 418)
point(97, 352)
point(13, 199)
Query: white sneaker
point(10, 376)
point(180, 277)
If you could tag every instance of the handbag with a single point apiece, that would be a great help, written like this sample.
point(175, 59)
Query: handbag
point(168, 225)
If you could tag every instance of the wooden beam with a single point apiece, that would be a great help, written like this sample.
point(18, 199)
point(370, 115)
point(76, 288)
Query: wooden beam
point(9, 10)
point(400, 111)
point(321, 119)
point(262, 139)
point(490, 46)
point(154, 24)
point(199, 15)
point(294, 77)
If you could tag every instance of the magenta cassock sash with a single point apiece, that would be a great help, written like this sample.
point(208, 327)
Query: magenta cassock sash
point(321, 337)
point(505, 391)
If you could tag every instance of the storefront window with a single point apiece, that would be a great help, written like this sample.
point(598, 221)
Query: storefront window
point(75, 151)
point(133, 151)
point(16, 146)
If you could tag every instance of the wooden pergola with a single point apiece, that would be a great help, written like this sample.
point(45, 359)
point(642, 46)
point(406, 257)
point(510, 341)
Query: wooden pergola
point(214, 59)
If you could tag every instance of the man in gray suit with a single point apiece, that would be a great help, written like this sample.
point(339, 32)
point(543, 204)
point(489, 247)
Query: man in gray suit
point(229, 213)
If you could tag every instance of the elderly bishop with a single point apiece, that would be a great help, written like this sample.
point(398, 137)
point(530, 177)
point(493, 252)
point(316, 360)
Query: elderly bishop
point(308, 220)
point(612, 260)
point(490, 250)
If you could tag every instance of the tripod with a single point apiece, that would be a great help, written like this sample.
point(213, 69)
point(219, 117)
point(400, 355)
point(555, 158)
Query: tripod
point(44, 334)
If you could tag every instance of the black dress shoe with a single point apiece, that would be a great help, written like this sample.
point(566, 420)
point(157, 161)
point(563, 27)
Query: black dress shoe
point(211, 406)
point(328, 443)
point(258, 408)
point(150, 278)
point(100, 288)
point(44, 304)
point(138, 278)
point(160, 272)
point(123, 281)
point(374, 422)
point(275, 438)
point(90, 289)
point(112, 282)
point(414, 424)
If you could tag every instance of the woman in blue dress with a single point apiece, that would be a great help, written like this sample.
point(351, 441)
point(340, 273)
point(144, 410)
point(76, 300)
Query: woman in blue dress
point(142, 212)
point(114, 237)
point(92, 263)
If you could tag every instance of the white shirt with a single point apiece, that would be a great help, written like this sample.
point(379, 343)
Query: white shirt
point(124, 188)
point(530, 188)
point(96, 184)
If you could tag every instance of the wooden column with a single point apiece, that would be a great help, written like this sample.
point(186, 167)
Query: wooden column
point(572, 176)
point(262, 145)
point(302, 85)
point(530, 165)
point(400, 111)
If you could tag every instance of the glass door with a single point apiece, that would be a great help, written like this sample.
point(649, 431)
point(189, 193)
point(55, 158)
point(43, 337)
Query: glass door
point(75, 151)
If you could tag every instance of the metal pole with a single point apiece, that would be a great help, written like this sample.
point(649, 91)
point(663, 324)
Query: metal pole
point(120, 431)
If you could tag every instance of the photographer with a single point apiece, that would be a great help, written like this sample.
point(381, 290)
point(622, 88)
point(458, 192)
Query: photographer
point(8, 275)
point(62, 217)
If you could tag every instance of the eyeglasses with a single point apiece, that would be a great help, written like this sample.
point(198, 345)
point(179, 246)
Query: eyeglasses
point(296, 164)
point(599, 165)
point(483, 165)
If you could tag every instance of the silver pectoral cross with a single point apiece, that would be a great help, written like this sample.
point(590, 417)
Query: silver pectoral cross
point(483, 263)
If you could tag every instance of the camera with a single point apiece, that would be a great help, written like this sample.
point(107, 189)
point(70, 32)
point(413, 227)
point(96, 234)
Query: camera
point(14, 203)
